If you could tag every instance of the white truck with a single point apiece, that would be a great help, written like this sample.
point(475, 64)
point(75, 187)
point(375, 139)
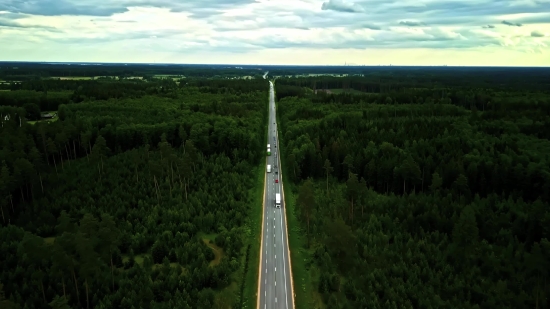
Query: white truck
point(269, 168)
point(278, 200)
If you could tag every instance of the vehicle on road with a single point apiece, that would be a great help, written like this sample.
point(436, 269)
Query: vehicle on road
point(269, 168)
point(278, 200)
point(276, 180)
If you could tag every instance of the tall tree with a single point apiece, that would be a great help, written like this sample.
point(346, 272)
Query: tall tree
point(85, 142)
point(86, 241)
point(34, 248)
point(348, 163)
point(409, 170)
point(182, 134)
point(437, 182)
point(5, 303)
point(67, 241)
point(61, 141)
point(353, 190)
point(110, 238)
point(99, 151)
point(192, 151)
point(306, 204)
point(328, 169)
point(36, 159)
point(52, 149)
point(465, 231)
point(5, 180)
point(461, 184)
point(59, 303)
point(341, 243)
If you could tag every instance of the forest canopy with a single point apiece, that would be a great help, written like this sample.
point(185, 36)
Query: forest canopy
point(138, 195)
point(417, 195)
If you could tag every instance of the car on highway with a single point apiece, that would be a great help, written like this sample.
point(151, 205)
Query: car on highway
point(276, 180)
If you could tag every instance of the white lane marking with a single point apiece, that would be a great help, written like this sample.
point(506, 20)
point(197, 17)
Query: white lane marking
point(275, 256)
point(275, 268)
point(275, 283)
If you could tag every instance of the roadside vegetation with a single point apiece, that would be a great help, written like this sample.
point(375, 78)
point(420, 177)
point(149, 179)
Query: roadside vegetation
point(415, 195)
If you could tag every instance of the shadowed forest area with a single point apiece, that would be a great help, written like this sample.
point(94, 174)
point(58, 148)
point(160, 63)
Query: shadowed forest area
point(138, 196)
point(419, 191)
point(406, 187)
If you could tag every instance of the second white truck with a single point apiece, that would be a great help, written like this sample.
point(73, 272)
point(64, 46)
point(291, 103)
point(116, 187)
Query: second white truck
point(278, 200)
point(269, 168)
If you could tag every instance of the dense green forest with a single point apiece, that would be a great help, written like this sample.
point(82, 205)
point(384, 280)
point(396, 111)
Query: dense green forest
point(430, 195)
point(406, 187)
point(138, 196)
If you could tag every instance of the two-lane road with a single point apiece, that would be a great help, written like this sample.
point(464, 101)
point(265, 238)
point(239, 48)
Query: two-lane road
point(275, 286)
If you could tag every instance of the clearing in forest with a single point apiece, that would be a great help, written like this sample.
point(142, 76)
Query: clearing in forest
point(218, 252)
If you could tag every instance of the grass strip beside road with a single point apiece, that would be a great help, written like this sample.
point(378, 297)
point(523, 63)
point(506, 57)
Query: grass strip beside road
point(250, 293)
point(298, 254)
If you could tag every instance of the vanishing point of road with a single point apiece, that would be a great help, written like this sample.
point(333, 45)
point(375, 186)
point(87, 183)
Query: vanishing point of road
point(275, 282)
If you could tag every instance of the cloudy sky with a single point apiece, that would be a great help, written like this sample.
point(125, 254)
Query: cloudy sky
point(362, 32)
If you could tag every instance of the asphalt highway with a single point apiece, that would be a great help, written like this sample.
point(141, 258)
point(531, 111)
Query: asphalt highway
point(275, 276)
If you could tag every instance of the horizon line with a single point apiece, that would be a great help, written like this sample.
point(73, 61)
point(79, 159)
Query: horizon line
point(272, 65)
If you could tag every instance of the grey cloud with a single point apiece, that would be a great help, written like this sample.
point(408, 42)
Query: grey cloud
point(12, 16)
point(537, 34)
point(224, 23)
point(108, 8)
point(369, 26)
point(488, 27)
point(439, 43)
point(431, 38)
point(118, 37)
point(13, 24)
point(508, 23)
point(341, 6)
point(197, 8)
point(470, 8)
point(411, 23)
point(60, 7)
point(461, 12)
